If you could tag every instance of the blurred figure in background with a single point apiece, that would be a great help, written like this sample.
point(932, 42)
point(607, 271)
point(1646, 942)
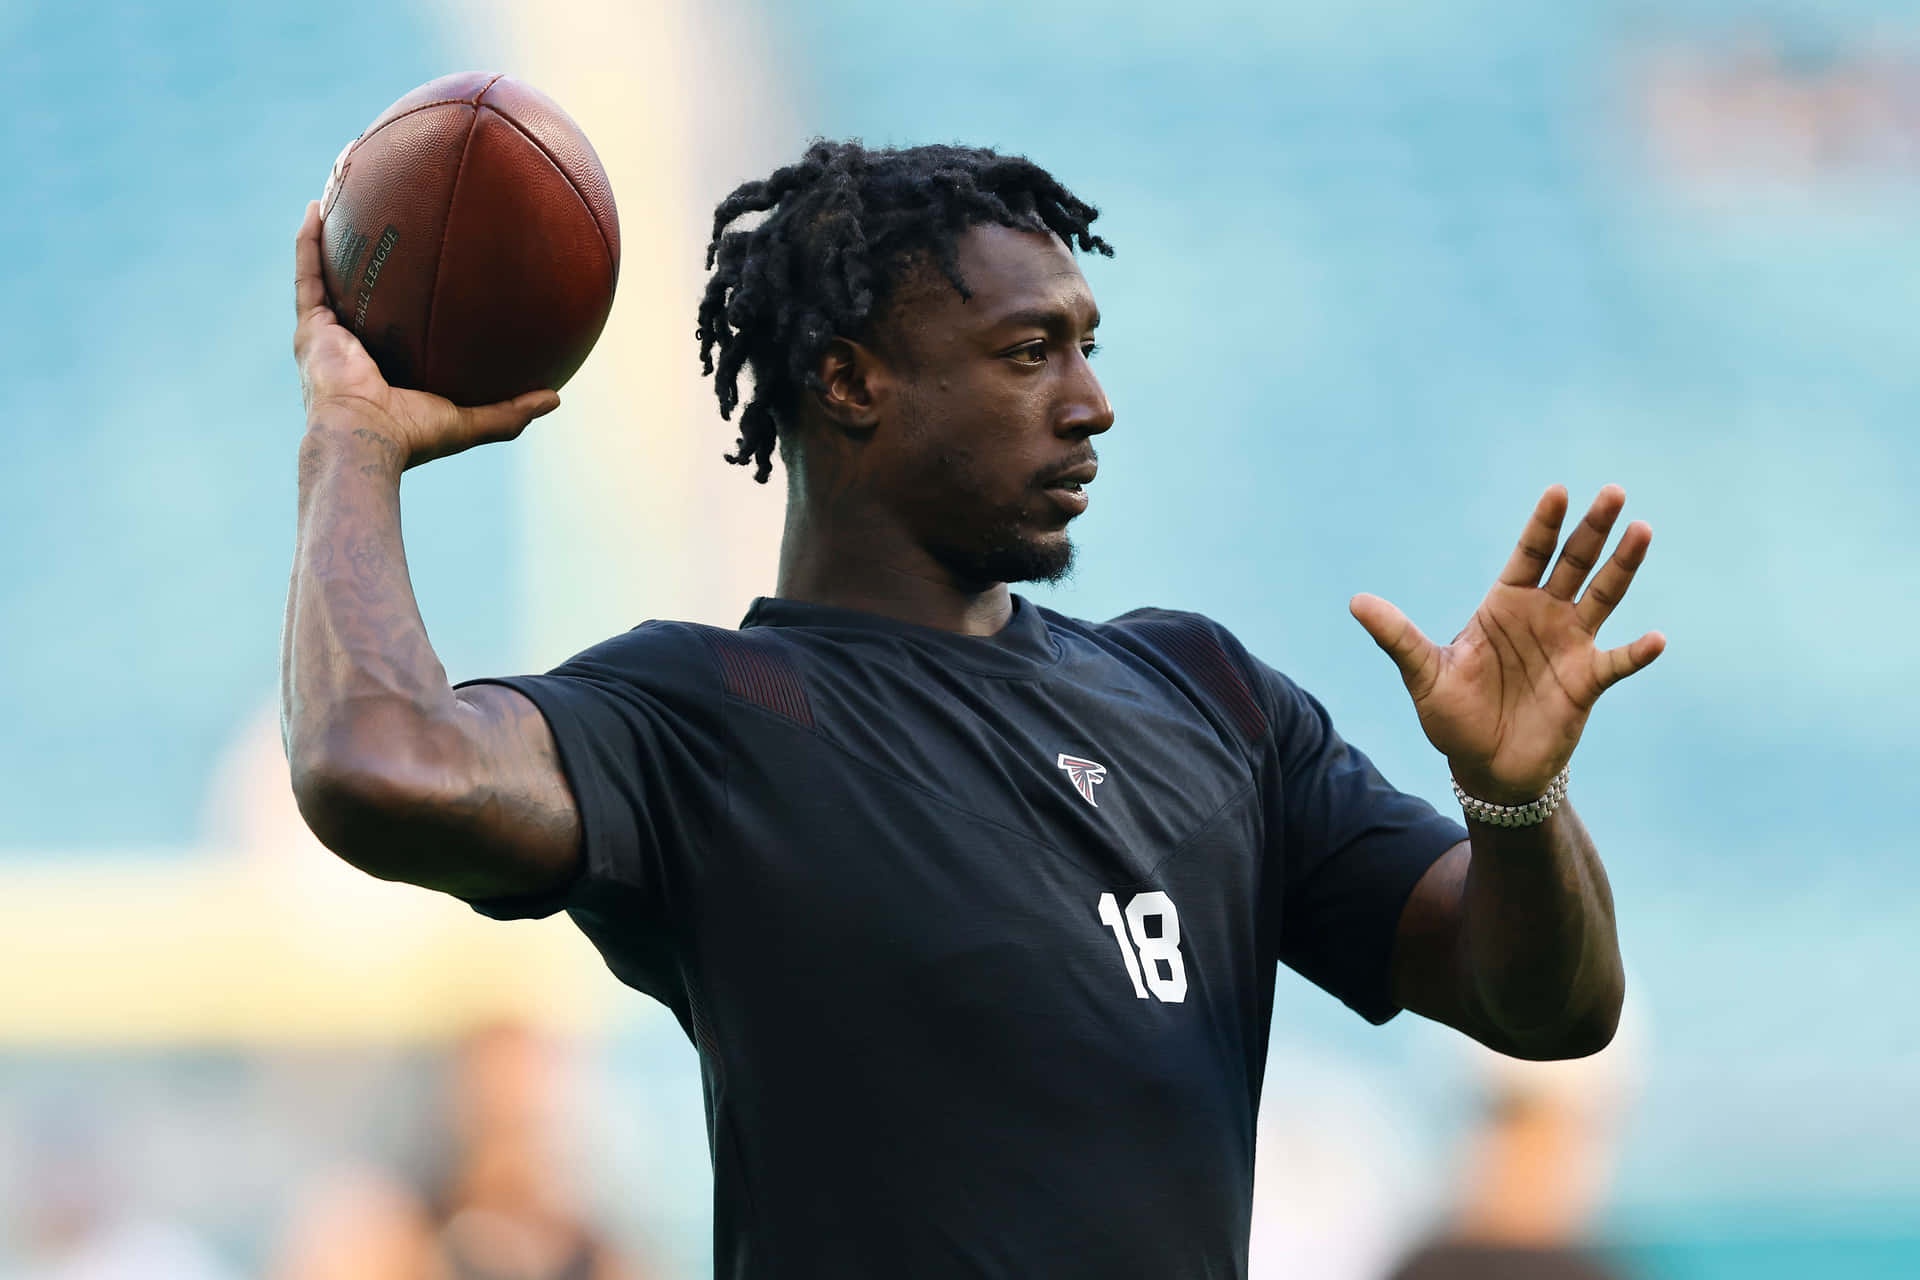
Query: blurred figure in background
point(498, 1207)
point(1537, 1169)
point(1343, 1187)
point(77, 1221)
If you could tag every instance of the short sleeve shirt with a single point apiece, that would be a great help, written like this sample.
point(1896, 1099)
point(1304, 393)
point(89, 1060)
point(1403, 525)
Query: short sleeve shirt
point(976, 936)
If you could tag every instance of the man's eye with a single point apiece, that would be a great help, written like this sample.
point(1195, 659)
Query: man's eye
point(1032, 353)
point(1089, 349)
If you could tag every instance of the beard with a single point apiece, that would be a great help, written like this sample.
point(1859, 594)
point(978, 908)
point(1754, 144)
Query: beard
point(1003, 546)
point(1007, 552)
point(982, 542)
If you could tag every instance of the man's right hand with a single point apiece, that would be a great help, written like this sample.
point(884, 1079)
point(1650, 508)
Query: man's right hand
point(340, 382)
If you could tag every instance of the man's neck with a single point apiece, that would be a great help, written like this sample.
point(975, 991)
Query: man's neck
point(875, 570)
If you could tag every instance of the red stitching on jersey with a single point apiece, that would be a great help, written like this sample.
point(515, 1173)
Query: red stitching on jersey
point(1199, 654)
point(758, 671)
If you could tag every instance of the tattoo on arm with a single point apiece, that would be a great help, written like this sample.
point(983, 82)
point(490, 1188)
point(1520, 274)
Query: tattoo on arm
point(489, 811)
point(383, 443)
point(521, 787)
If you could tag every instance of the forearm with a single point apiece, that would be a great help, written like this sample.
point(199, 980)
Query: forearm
point(359, 680)
point(1538, 936)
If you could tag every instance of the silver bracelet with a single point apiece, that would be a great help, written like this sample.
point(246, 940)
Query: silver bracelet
point(1529, 814)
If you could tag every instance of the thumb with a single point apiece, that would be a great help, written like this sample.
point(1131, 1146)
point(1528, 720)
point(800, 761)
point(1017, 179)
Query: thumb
point(1395, 633)
point(489, 424)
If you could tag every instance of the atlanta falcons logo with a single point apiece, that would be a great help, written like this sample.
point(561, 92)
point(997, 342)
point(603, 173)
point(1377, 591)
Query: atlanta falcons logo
point(1084, 774)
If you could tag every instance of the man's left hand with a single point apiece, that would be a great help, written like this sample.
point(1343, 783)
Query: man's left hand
point(1507, 700)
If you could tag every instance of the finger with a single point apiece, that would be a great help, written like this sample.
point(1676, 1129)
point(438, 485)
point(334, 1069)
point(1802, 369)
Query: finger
point(1586, 543)
point(1609, 586)
point(1616, 665)
point(488, 424)
point(1415, 655)
point(309, 288)
point(1537, 540)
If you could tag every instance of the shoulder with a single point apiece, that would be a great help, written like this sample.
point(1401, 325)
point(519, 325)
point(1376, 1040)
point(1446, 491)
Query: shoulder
point(1166, 632)
point(1172, 639)
point(652, 647)
point(1203, 653)
point(657, 665)
point(674, 654)
point(1197, 654)
point(688, 661)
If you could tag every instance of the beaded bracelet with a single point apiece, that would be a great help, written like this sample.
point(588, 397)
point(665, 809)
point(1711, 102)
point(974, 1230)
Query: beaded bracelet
point(1515, 815)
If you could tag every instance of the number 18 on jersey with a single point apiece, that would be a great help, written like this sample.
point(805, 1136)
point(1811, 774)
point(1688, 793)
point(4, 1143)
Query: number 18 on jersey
point(1149, 937)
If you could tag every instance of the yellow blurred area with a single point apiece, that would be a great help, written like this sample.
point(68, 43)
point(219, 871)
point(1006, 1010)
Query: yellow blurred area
point(265, 936)
point(221, 951)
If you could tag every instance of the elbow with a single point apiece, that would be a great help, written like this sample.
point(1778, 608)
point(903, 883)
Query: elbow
point(1579, 1035)
point(341, 805)
point(1588, 1035)
point(368, 804)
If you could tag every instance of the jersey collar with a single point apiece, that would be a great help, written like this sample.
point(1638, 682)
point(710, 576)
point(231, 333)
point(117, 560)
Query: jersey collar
point(1021, 648)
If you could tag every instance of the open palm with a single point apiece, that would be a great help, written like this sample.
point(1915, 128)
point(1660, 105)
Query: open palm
point(1507, 700)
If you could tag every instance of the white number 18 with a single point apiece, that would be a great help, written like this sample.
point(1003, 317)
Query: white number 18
point(1156, 947)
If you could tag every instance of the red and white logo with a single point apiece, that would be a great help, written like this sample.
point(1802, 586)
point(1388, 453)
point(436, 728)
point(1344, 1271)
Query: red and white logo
point(1084, 774)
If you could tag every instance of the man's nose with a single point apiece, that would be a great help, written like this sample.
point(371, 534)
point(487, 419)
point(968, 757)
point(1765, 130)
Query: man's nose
point(1086, 411)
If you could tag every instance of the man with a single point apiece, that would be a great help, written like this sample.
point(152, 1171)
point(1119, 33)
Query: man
point(972, 910)
point(499, 1204)
point(1535, 1180)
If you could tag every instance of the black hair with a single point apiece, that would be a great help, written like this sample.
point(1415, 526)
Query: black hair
point(840, 225)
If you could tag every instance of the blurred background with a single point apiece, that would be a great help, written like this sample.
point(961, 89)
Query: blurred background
point(1386, 269)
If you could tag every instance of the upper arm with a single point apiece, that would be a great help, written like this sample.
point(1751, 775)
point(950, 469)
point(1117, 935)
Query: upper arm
point(470, 801)
point(607, 781)
point(1429, 964)
point(593, 788)
point(1349, 850)
point(1431, 972)
point(1434, 970)
point(518, 813)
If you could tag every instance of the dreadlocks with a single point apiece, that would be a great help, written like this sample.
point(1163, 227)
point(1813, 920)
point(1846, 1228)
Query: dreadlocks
point(841, 225)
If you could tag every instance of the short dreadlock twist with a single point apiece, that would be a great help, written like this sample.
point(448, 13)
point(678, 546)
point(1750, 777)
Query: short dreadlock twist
point(839, 225)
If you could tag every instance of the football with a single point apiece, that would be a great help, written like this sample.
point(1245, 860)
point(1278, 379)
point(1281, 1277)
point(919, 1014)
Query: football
point(469, 240)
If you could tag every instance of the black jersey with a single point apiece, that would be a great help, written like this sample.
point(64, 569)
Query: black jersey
point(976, 936)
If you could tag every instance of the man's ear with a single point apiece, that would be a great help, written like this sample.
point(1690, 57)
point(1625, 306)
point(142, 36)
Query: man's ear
point(855, 384)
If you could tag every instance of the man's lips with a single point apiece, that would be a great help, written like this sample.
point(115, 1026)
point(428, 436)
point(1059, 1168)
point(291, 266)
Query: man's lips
point(1072, 501)
point(1074, 477)
point(1068, 488)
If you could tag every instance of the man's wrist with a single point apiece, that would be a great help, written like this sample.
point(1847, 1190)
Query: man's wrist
point(1477, 782)
point(358, 438)
point(1510, 810)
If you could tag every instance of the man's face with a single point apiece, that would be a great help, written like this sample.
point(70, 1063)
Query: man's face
point(996, 407)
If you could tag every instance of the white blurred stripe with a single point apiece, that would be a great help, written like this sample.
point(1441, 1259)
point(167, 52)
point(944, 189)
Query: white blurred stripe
point(629, 511)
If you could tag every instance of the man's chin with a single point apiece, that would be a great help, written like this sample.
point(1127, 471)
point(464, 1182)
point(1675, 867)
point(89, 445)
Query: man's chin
point(1043, 557)
point(1047, 564)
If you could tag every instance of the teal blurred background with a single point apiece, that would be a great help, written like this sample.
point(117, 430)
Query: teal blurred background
point(1385, 270)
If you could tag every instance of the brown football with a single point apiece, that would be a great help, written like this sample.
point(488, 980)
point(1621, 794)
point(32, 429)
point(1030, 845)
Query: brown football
point(470, 240)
